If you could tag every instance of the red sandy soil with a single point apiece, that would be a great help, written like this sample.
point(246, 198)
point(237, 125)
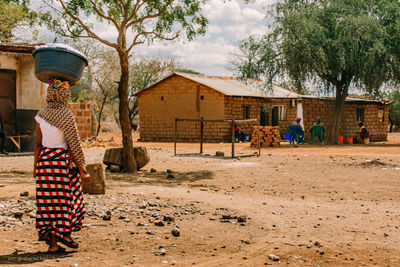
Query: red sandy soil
point(308, 205)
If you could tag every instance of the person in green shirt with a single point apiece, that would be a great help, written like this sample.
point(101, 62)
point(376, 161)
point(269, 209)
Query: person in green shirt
point(317, 130)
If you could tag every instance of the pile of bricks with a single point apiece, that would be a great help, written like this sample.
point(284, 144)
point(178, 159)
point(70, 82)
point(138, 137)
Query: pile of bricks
point(269, 136)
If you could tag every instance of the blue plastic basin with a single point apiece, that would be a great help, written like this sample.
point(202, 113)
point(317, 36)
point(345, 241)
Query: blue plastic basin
point(59, 61)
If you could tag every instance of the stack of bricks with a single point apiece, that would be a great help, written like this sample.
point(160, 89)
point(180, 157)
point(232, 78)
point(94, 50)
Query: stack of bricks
point(85, 118)
point(269, 136)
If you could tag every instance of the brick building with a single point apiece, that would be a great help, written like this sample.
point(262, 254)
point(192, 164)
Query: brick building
point(189, 96)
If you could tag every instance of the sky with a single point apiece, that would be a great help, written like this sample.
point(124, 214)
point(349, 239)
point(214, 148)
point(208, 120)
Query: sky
point(229, 22)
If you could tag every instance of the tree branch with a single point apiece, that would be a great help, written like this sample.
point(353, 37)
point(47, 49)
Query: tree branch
point(101, 15)
point(86, 28)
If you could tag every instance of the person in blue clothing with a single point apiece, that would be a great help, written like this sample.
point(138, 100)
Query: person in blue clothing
point(239, 135)
point(300, 131)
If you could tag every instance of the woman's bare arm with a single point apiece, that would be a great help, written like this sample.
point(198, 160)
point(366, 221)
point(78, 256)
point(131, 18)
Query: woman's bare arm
point(82, 170)
point(38, 147)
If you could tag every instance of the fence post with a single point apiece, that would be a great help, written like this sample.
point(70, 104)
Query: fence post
point(201, 135)
point(176, 122)
point(233, 137)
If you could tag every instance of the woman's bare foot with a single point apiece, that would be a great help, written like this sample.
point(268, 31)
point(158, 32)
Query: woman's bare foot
point(53, 246)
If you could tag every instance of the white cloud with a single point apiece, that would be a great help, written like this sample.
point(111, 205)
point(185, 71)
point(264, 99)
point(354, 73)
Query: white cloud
point(229, 22)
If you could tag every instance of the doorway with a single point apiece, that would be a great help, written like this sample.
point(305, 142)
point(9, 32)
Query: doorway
point(275, 116)
point(8, 99)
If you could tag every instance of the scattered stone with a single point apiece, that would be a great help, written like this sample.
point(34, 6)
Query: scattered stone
point(242, 218)
point(273, 257)
point(161, 251)
point(168, 218)
point(24, 194)
point(175, 232)
point(152, 170)
point(170, 175)
point(150, 232)
point(169, 171)
point(18, 214)
point(106, 217)
point(159, 223)
point(219, 154)
point(143, 205)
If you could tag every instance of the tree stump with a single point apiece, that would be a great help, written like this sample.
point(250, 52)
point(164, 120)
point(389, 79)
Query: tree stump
point(97, 182)
point(114, 156)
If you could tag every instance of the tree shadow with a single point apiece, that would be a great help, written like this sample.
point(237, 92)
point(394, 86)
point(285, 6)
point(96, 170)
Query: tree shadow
point(32, 257)
point(170, 177)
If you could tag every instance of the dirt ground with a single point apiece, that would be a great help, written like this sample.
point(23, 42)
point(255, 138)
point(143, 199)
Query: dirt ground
point(298, 206)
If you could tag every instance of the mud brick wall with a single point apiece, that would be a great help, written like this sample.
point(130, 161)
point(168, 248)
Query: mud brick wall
point(313, 108)
point(179, 97)
point(234, 108)
point(377, 129)
point(85, 117)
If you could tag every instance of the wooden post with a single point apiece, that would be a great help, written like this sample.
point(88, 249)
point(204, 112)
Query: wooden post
point(233, 137)
point(176, 134)
point(259, 147)
point(201, 135)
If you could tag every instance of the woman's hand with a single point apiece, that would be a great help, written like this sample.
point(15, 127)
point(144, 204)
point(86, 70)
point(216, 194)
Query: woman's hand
point(85, 177)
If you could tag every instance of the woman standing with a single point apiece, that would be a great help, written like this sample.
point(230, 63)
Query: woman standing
point(59, 198)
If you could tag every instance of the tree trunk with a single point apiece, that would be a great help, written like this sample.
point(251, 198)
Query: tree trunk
point(335, 123)
point(100, 113)
point(129, 160)
point(391, 124)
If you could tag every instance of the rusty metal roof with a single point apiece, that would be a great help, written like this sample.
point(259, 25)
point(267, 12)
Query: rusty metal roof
point(24, 48)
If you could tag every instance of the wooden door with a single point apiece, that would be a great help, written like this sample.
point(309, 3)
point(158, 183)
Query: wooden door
point(8, 99)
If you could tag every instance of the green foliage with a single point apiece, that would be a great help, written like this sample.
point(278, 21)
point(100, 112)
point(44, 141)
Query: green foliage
point(145, 20)
point(394, 108)
point(332, 42)
point(14, 13)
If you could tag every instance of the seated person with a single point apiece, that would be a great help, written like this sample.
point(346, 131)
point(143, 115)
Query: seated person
point(363, 134)
point(239, 135)
point(317, 130)
point(296, 131)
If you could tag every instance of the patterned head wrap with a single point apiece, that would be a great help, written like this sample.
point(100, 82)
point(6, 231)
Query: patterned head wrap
point(57, 114)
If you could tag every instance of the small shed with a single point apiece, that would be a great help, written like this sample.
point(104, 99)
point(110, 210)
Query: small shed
point(21, 94)
point(189, 96)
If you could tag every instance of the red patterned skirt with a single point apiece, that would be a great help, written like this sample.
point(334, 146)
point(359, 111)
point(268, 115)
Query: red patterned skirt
point(59, 198)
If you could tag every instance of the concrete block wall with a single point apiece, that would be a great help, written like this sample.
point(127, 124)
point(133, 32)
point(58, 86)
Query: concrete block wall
point(85, 118)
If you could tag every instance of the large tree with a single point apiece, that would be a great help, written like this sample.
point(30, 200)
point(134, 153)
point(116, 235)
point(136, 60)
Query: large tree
point(339, 44)
point(134, 22)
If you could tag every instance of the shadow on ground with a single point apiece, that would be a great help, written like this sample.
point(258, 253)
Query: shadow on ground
point(32, 257)
point(169, 177)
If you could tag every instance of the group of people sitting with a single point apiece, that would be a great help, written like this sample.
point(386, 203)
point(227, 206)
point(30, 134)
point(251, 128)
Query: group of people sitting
point(317, 131)
point(296, 132)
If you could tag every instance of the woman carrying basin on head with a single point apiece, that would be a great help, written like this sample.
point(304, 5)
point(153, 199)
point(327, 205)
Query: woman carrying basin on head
point(59, 198)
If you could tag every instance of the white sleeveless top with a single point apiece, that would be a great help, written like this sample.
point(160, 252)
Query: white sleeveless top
point(52, 137)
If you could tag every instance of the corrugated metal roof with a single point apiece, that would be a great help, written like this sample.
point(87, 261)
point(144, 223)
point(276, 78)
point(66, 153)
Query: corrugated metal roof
point(231, 86)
